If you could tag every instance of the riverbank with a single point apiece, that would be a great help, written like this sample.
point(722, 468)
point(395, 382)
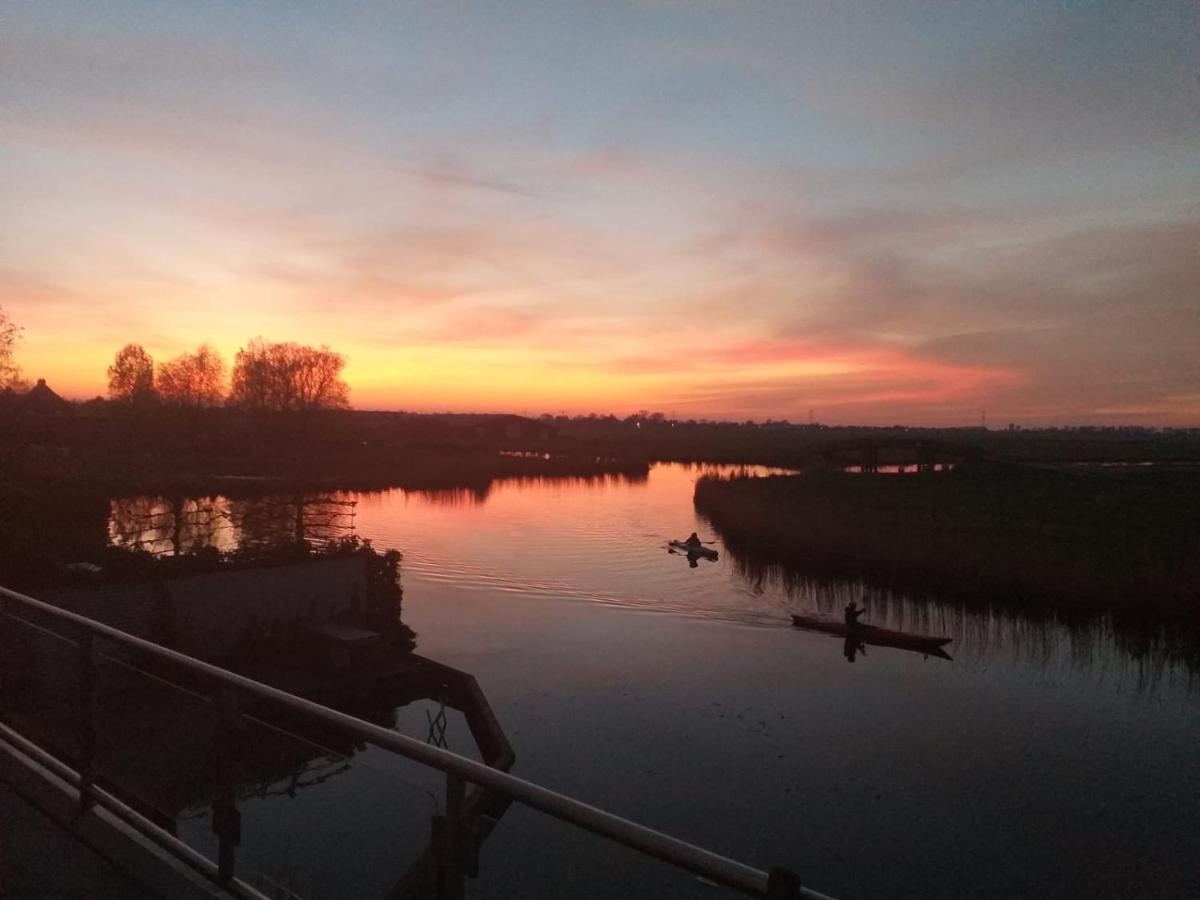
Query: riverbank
point(62, 518)
point(1120, 542)
point(425, 469)
point(121, 451)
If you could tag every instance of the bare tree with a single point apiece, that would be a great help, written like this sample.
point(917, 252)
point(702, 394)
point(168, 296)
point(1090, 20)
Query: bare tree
point(193, 379)
point(288, 376)
point(131, 376)
point(10, 372)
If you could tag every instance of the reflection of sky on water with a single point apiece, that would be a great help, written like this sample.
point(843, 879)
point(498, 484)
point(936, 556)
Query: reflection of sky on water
point(603, 540)
point(1044, 760)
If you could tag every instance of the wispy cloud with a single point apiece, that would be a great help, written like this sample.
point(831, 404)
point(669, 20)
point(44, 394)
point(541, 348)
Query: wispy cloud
point(727, 209)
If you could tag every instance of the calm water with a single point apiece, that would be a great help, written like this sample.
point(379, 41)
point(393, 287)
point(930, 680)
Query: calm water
point(1041, 761)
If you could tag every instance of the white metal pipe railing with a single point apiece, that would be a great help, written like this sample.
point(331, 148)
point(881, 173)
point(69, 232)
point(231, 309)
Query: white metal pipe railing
point(681, 854)
point(164, 839)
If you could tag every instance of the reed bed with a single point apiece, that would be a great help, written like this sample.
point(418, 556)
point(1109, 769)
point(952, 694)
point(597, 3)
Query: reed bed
point(1126, 543)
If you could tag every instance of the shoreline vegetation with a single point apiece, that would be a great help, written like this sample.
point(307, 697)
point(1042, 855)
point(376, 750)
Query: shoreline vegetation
point(144, 448)
point(124, 449)
point(1072, 543)
point(1058, 518)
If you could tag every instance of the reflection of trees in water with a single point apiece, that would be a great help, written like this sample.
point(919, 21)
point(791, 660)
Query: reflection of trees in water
point(451, 497)
point(279, 519)
point(477, 495)
point(167, 525)
point(171, 525)
point(599, 479)
point(1127, 655)
point(733, 470)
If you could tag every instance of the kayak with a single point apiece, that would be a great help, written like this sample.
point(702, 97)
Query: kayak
point(693, 549)
point(874, 635)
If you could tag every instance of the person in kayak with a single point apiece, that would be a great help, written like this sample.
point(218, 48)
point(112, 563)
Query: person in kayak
point(852, 613)
point(693, 541)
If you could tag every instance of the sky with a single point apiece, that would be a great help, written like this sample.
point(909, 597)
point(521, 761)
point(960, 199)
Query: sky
point(869, 213)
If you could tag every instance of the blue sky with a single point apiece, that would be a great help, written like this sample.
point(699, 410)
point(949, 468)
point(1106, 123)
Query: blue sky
point(883, 212)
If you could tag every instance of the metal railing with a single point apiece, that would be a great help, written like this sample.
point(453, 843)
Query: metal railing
point(459, 770)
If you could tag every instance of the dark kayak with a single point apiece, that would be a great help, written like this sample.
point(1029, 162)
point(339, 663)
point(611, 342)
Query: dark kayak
point(692, 549)
point(871, 634)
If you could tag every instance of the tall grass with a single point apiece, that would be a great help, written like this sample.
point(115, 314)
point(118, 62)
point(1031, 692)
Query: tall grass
point(1126, 543)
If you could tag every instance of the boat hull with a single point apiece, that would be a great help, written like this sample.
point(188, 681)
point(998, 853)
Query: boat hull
point(873, 635)
point(692, 549)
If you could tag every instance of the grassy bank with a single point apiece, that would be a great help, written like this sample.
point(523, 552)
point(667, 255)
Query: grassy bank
point(1074, 542)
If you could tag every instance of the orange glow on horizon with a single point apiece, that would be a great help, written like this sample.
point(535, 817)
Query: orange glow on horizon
point(860, 383)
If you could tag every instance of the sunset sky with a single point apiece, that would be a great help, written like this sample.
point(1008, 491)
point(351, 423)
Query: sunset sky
point(883, 213)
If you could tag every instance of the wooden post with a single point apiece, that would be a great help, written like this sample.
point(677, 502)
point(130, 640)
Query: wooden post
point(86, 720)
point(227, 823)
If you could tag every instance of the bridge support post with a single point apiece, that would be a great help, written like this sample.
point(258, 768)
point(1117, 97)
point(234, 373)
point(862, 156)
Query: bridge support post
point(450, 836)
point(226, 821)
point(453, 846)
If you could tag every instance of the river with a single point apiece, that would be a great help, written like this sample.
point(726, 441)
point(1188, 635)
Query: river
point(1041, 761)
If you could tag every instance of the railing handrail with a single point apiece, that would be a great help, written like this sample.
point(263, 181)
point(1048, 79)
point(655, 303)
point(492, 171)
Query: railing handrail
point(697, 860)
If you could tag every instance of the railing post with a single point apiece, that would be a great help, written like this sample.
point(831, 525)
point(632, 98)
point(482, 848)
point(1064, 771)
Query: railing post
point(86, 720)
point(450, 842)
point(227, 822)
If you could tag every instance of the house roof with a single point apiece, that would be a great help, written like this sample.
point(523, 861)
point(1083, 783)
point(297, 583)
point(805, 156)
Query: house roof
point(42, 398)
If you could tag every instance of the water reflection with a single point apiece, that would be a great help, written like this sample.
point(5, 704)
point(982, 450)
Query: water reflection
point(169, 524)
point(853, 645)
point(599, 539)
point(898, 469)
point(604, 658)
point(693, 558)
point(1101, 648)
point(452, 497)
point(478, 494)
point(298, 782)
point(175, 525)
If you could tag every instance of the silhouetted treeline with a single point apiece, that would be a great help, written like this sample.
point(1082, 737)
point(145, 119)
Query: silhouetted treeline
point(136, 447)
point(265, 375)
point(1120, 541)
point(123, 449)
point(800, 446)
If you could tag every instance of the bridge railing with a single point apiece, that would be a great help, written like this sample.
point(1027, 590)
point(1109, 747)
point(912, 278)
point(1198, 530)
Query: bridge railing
point(229, 690)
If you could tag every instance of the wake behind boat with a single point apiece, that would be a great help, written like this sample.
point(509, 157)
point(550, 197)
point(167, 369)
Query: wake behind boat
point(874, 635)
